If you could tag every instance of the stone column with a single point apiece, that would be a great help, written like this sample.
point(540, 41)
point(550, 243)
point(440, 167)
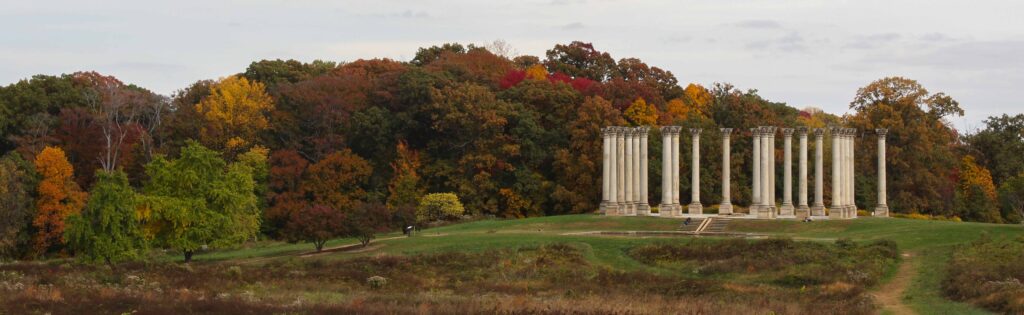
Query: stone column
point(695, 207)
point(726, 206)
point(629, 205)
point(755, 190)
point(837, 175)
point(620, 168)
point(882, 209)
point(802, 210)
point(765, 210)
point(818, 209)
point(675, 168)
point(771, 169)
point(851, 192)
point(644, 208)
point(635, 141)
point(665, 208)
point(787, 173)
point(605, 169)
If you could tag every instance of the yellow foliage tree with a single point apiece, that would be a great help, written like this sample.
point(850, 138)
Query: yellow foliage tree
point(235, 112)
point(58, 197)
point(698, 97)
point(642, 114)
point(676, 109)
point(976, 194)
point(536, 72)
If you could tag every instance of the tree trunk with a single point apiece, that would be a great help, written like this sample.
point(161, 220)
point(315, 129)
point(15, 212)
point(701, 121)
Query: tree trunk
point(319, 245)
point(188, 256)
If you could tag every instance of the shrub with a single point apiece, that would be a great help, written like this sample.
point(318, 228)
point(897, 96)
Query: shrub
point(987, 273)
point(439, 206)
point(377, 282)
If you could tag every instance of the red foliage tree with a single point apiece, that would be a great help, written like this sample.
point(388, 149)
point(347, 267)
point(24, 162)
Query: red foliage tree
point(315, 224)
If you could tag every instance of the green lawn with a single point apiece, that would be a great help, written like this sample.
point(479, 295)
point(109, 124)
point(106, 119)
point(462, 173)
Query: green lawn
point(930, 241)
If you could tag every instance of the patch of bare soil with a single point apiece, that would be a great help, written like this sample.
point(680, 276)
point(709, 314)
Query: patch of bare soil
point(890, 295)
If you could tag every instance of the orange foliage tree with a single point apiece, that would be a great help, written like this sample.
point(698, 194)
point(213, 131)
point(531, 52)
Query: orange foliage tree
point(58, 197)
point(640, 113)
point(976, 194)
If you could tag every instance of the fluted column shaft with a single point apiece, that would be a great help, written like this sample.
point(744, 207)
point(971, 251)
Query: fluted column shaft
point(765, 209)
point(818, 209)
point(755, 191)
point(802, 207)
point(787, 208)
point(882, 209)
point(852, 197)
point(636, 170)
point(695, 206)
point(620, 169)
point(675, 165)
point(644, 207)
point(666, 171)
point(771, 169)
point(837, 175)
point(726, 206)
point(629, 202)
point(605, 169)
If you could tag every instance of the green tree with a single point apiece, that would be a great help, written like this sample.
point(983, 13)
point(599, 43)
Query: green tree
point(1011, 199)
point(999, 146)
point(18, 180)
point(108, 229)
point(197, 200)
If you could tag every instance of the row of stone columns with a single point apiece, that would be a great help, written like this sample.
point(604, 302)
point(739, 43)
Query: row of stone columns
point(624, 185)
point(624, 171)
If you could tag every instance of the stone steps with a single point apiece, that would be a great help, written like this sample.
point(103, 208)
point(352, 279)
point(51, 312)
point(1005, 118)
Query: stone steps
point(718, 225)
point(692, 227)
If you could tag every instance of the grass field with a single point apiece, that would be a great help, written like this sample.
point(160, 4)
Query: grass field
point(928, 244)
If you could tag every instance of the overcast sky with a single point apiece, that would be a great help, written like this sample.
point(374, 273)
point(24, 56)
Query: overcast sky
point(804, 53)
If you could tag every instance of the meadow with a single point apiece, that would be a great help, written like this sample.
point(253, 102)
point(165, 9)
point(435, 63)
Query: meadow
point(542, 265)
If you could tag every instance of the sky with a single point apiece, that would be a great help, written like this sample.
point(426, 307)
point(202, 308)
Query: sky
point(801, 52)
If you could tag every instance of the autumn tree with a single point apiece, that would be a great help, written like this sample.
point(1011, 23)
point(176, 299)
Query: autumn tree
point(235, 112)
point(366, 219)
point(578, 167)
point(18, 180)
point(976, 194)
point(641, 113)
point(338, 180)
point(405, 187)
point(579, 59)
point(316, 224)
point(199, 200)
point(108, 229)
point(285, 193)
point(920, 143)
point(57, 197)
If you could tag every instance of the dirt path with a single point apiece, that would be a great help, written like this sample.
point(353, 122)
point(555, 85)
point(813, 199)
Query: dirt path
point(890, 295)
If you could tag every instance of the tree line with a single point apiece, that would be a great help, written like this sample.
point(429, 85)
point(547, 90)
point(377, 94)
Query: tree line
point(99, 168)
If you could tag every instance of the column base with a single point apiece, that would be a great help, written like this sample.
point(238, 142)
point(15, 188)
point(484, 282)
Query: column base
point(765, 212)
point(695, 208)
point(629, 209)
point(643, 209)
point(803, 211)
point(670, 210)
point(605, 206)
point(837, 213)
point(786, 209)
point(818, 210)
point(851, 212)
point(725, 208)
point(882, 211)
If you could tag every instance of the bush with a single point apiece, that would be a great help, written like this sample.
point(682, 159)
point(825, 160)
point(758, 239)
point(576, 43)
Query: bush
point(439, 206)
point(988, 273)
point(377, 282)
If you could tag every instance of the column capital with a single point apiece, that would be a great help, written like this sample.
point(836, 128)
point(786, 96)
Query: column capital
point(695, 131)
point(819, 132)
point(643, 130)
point(788, 132)
point(756, 131)
point(608, 131)
point(666, 130)
point(801, 131)
point(726, 132)
point(881, 132)
point(770, 130)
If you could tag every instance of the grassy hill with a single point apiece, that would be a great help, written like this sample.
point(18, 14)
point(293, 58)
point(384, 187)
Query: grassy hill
point(525, 260)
